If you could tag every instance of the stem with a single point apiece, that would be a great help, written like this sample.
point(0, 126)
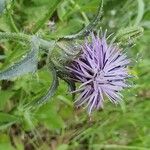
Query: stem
point(12, 22)
point(44, 44)
point(140, 12)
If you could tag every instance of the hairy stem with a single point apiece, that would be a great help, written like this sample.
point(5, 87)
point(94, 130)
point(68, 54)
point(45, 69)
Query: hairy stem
point(44, 44)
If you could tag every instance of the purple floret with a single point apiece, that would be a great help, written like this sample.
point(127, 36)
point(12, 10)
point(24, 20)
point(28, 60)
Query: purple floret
point(102, 71)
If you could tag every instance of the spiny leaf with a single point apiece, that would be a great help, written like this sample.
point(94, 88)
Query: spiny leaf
point(15, 36)
point(2, 5)
point(27, 64)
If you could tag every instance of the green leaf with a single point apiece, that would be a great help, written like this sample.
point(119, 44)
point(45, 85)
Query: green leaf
point(4, 97)
point(128, 35)
point(5, 117)
point(7, 120)
point(50, 92)
point(4, 26)
point(63, 28)
point(53, 5)
point(27, 64)
point(2, 5)
point(140, 12)
point(85, 31)
point(49, 116)
point(5, 143)
point(62, 147)
point(6, 146)
point(63, 9)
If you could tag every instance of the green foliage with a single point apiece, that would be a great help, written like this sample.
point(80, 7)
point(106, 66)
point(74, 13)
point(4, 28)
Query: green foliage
point(5, 96)
point(6, 120)
point(48, 114)
point(57, 125)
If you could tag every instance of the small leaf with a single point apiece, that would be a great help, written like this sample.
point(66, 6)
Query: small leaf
point(7, 120)
point(65, 100)
point(49, 116)
point(4, 97)
point(5, 117)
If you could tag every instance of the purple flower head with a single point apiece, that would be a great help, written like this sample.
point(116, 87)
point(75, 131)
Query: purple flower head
point(102, 71)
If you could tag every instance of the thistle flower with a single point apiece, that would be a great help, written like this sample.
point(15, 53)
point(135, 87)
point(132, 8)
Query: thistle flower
point(102, 72)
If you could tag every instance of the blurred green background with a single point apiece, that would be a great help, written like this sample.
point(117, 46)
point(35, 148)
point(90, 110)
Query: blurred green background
point(58, 125)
